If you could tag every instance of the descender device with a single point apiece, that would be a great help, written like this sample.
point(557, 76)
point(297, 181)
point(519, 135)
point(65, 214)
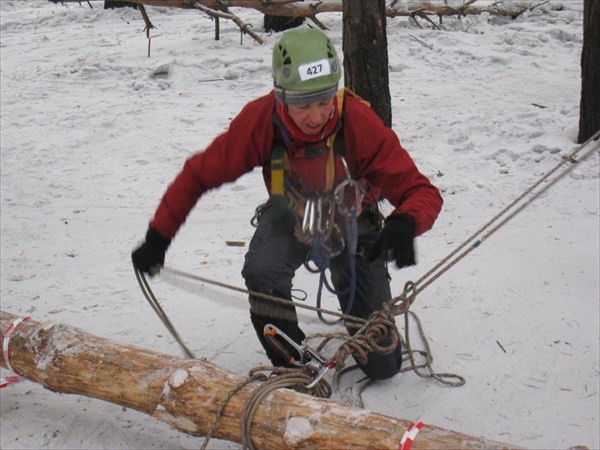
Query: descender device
point(300, 356)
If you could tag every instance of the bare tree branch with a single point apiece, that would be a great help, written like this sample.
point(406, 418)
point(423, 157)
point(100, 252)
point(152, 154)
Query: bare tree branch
point(244, 27)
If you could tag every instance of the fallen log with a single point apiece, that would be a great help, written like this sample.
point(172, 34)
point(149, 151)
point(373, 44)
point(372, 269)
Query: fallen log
point(296, 8)
point(187, 394)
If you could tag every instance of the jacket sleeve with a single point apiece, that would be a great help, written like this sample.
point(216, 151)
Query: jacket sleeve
point(245, 145)
point(380, 158)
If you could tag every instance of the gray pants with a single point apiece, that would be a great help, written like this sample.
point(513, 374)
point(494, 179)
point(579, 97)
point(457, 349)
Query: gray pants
point(274, 256)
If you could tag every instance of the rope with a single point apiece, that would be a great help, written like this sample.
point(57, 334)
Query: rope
point(448, 262)
point(285, 378)
point(296, 378)
point(323, 264)
point(145, 287)
point(380, 325)
point(273, 298)
point(442, 377)
point(223, 405)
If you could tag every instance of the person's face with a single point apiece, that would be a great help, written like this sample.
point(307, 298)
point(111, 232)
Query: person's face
point(311, 117)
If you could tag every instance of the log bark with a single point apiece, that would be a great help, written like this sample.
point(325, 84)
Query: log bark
point(187, 394)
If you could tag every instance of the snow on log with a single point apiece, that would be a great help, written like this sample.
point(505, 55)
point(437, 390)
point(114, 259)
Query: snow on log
point(300, 8)
point(187, 394)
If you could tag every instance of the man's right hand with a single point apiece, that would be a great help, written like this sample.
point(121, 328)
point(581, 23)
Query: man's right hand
point(150, 256)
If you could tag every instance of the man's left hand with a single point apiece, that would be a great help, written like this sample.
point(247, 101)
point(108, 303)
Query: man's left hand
point(396, 240)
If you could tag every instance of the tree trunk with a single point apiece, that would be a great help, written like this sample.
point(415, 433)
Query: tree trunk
point(187, 394)
point(589, 110)
point(111, 4)
point(281, 23)
point(365, 54)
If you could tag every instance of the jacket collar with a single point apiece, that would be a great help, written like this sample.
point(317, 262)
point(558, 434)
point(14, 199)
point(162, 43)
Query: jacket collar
point(296, 135)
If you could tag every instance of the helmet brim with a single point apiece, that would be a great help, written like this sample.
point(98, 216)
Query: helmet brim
point(290, 97)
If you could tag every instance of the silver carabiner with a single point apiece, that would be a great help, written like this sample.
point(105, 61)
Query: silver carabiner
point(346, 168)
point(307, 356)
point(319, 376)
point(340, 193)
point(319, 216)
point(307, 221)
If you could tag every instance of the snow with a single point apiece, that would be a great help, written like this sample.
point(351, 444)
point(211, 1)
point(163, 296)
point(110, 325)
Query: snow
point(297, 428)
point(93, 130)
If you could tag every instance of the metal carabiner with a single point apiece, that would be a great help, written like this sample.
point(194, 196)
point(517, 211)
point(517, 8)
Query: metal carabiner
point(346, 168)
point(319, 216)
point(340, 193)
point(309, 213)
point(307, 357)
point(270, 332)
point(319, 376)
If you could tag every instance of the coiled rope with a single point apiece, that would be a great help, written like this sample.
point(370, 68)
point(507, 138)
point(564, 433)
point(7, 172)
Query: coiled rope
point(278, 378)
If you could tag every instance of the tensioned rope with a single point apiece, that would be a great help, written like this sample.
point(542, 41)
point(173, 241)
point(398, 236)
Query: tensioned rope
point(382, 324)
point(445, 264)
point(268, 297)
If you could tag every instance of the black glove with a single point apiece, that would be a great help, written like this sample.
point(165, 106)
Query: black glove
point(150, 256)
point(396, 240)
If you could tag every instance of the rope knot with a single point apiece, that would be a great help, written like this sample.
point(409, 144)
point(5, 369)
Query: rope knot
point(380, 327)
point(401, 303)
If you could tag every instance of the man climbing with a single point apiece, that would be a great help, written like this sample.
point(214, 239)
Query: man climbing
point(327, 160)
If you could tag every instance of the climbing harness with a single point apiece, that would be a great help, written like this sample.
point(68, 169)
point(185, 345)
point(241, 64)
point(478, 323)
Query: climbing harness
point(312, 216)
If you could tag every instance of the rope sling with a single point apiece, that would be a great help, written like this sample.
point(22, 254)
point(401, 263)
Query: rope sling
point(380, 324)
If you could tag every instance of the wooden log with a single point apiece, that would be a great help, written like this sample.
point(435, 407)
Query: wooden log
point(188, 393)
point(294, 8)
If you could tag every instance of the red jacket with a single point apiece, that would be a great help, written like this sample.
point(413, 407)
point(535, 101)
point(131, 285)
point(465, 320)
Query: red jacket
point(372, 151)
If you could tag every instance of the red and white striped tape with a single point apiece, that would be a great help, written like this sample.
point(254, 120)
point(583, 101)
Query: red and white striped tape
point(12, 379)
point(410, 435)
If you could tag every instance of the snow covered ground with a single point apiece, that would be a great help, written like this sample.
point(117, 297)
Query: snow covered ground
point(93, 130)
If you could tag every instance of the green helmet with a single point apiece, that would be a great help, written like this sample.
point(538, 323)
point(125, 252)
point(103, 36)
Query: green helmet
point(306, 67)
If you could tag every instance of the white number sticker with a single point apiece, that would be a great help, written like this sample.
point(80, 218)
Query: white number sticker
point(314, 69)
